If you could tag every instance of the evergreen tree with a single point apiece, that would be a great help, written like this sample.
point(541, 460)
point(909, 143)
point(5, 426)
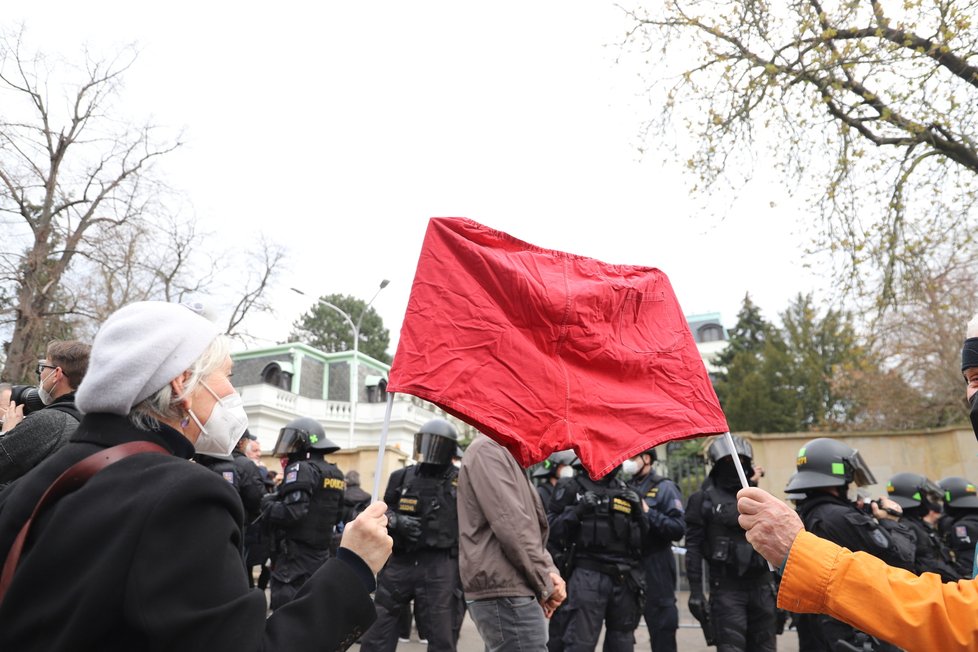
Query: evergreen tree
point(326, 329)
point(791, 379)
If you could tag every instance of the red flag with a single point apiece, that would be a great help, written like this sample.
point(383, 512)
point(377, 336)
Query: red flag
point(544, 350)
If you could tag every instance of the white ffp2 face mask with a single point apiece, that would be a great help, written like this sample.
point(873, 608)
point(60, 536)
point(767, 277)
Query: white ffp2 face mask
point(43, 394)
point(566, 472)
point(628, 469)
point(224, 427)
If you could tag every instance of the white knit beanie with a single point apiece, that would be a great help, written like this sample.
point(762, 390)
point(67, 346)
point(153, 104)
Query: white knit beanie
point(138, 350)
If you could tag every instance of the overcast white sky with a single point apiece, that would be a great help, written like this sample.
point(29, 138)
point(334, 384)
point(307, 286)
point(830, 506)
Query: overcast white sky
point(340, 128)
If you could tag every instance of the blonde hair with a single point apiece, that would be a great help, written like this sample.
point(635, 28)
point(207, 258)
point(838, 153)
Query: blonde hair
point(163, 404)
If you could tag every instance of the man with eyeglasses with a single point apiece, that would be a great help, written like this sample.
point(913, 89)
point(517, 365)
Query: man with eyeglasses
point(26, 440)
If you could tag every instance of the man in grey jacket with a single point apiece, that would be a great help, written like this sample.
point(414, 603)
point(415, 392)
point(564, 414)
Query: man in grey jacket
point(510, 582)
point(26, 441)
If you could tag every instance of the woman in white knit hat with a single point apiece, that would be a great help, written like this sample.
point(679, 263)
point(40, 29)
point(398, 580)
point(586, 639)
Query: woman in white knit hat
point(137, 548)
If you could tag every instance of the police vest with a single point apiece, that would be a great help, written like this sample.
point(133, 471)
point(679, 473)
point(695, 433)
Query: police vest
point(326, 485)
point(432, 498)
point(727, 549)
point(611, 530)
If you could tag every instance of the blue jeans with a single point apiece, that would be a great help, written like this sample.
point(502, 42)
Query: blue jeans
point(514, 624)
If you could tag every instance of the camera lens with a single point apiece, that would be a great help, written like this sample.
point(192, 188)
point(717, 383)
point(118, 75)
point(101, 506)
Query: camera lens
point(28, 396)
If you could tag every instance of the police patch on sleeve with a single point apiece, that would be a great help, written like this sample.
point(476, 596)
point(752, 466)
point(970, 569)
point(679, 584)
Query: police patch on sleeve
point(228, 475)
point(292, 476)
point(961, 533)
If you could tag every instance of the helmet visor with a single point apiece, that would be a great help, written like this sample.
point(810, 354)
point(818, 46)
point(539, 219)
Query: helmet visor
point(433, 449)
point(861, 474)
point(287, 442)
point(933, 492)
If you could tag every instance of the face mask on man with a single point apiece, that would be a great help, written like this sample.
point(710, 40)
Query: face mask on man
point(566, 472)
point(224, 427)
point(43, 393)
point(628, 470)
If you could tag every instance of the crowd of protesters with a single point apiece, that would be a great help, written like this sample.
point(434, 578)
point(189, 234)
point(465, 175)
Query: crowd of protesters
point(113, 541)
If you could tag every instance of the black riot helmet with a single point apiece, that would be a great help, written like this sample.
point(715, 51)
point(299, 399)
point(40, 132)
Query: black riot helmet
point(911, 490)
point(720, 449)
point(301, 435)
point(825, 462)
point(959, 493)
point(435, 442)
point(548, 467)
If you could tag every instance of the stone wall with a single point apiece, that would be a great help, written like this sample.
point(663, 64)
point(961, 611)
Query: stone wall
point(933, 453)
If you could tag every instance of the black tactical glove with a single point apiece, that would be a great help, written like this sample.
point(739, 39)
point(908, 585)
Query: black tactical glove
point(587, 503)
point(698, 606)
point(633, 499)
point(407, 527)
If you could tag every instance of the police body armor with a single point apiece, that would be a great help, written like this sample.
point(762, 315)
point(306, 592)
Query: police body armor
point(326, 485)
point(429, 494)
point(729, 554)
point(611, 532)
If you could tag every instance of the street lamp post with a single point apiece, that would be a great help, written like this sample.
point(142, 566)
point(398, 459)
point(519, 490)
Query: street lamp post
point(355, 364)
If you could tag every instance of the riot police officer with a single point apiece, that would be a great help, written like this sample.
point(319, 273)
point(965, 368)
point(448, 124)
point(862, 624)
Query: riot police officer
point(305, 508)
point(827, 473)
point(251, 487)
point(741, 606)
point(423, 522)
point(602, 528)
point(923, 504)
point(547, 472)
point(959, 526)
point(667, 523)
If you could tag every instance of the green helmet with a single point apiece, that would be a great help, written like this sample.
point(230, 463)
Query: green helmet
point(825, 462)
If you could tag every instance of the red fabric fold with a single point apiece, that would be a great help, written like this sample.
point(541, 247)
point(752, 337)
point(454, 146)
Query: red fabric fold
point(544, 350)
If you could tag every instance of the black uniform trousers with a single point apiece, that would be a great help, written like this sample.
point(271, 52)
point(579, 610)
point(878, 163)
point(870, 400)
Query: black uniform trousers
point(293, 565)
point(744, 617)
point(595, 598)
point(661, 612)
point(430, 578)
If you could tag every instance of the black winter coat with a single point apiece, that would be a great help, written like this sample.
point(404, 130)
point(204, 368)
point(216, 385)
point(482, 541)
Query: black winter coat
point(145, 556)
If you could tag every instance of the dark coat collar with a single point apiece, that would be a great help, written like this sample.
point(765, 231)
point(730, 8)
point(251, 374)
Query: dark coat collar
point(111, 429)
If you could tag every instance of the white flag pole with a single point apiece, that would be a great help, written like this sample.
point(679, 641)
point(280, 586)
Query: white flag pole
point(740, 470)
point(383, 447)
point(736, 459)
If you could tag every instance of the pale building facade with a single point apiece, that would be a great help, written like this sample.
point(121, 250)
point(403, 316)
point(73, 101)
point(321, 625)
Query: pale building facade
point(285, 381)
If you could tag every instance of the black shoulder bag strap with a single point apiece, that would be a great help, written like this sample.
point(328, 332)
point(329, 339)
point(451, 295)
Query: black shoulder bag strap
point(72, 478)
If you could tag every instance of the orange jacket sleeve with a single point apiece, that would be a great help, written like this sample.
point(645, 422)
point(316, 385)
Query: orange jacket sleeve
point(918, 613)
